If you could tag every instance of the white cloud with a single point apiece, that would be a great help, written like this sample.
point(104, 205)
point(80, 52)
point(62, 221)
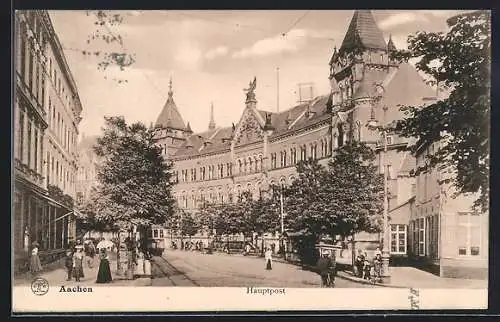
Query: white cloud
point(217, 51)
point(440, 13)
point(274, 45)
point(401, 18)
point(188, 54)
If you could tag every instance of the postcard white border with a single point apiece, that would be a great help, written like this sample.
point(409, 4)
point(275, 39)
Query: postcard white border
point(185, 299)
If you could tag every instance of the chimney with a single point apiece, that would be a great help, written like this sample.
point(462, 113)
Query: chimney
point(305, 92)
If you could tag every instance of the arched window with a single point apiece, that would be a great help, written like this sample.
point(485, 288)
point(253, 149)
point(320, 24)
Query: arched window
point(340, 138)
point(240, 166)
point(250, 165)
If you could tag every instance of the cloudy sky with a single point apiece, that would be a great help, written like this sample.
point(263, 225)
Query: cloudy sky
point(211, 56)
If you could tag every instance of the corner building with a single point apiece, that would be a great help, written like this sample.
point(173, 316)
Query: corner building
point(263, 147)
point(45, 123)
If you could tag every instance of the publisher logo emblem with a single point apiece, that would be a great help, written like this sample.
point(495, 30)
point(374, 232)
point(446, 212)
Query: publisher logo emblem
point(39, 286)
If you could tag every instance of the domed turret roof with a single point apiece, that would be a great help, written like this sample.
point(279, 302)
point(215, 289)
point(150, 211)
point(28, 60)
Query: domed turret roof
point(170, 116)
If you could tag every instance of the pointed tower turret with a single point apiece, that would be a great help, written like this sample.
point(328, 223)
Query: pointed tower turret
point(363, 31)
point(188, 129)
point(390, 45)
point(170, 116)
point(211, 124)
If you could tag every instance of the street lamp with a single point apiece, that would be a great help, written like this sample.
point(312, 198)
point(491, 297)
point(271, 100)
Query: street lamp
point(373, 124)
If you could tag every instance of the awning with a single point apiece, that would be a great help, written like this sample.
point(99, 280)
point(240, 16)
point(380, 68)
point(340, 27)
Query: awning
point(65, 215)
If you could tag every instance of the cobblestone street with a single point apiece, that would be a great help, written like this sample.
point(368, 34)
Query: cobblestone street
point(219, 269)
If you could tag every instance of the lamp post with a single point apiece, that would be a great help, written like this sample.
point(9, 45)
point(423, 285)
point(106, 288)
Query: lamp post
point(373, 124)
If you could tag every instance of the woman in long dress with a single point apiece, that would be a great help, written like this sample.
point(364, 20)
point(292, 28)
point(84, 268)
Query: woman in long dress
point(35, 265)
point(104, 273)
point(78, 257)
point(269, 258)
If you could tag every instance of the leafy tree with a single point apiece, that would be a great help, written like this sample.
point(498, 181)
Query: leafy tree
point(341, 199)
point(189, 226)
point(461, 61)
point(134, 185)
point(353, 191)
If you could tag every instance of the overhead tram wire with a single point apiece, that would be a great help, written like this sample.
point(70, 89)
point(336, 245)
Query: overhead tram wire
point(296, 22)
point(271, 32)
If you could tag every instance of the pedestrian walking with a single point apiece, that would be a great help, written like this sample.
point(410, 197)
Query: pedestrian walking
point(268, 255)
point(35, 264)
point(78, 263)
point(104, 273)
point(90, 252)
point(359, 263)
point(68, 263)
point(377, 266)
point(327, 269)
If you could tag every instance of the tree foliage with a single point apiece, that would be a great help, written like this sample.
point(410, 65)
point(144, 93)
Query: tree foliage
point(460, 60)
point(110, 43)
point(134, 185)
point(341, 199)
point(189, 226)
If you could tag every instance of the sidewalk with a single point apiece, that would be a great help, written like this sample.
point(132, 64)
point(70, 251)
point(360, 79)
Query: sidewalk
point(56, 274)
point(411, 277)
point(405, 277)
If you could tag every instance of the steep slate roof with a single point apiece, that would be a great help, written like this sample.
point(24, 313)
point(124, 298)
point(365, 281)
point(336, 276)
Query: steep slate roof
point(278, 120)
point(170, 116)
point(364, 29)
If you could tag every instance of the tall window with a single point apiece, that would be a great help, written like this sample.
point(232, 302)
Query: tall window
point(273, 160)
point(221, 171)
point(314, 150)
point(340, 138)
point(22, 61)
point(30, 70)
point(35, 152)
point(468, 234)
point(36, 88)
point(228, 169)
point(29, 144)
point(421, 236)
point(20, 135)
point(303, 153)
point(398, 239)
point(293, 156)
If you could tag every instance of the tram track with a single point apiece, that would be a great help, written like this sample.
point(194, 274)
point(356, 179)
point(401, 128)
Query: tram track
point(169, 271)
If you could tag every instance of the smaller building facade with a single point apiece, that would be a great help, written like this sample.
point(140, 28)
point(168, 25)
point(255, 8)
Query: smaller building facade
point(445, 233)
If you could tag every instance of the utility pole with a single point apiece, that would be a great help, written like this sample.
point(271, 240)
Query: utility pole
point(278, 89)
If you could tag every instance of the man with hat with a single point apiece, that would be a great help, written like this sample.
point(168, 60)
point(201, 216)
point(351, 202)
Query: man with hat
point(326, 267)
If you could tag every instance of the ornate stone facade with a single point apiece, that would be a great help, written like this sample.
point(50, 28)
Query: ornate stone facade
point(46, 117)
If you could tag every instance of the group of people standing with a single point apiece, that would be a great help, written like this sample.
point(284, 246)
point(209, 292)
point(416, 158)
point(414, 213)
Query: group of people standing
point(366, 269)
point(76, 256)
point(74, 262)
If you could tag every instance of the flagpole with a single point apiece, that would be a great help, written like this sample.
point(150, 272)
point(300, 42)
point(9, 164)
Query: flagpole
point(277, 89)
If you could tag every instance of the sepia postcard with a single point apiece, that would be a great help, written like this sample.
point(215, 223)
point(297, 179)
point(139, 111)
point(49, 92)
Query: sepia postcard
point(230, 160)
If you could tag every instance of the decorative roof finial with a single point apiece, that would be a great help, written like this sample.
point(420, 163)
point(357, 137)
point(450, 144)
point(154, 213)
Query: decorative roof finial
point(250, 91)
point(170, 92)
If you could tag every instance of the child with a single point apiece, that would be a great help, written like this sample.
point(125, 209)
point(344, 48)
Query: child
point(68, 263)
point(366, 269)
